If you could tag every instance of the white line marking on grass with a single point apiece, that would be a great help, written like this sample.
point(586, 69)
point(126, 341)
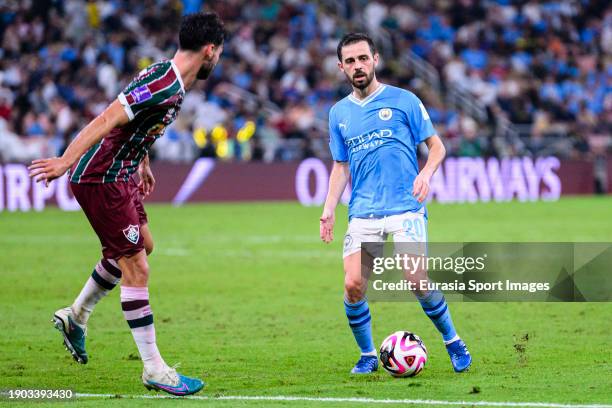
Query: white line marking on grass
point(351, 400)
point(174, 252)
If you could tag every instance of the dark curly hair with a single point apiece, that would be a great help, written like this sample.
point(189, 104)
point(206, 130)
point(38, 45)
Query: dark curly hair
point(200, 29)
point(352, 38)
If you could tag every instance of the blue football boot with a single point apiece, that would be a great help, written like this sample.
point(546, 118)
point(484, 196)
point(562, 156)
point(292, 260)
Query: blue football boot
point(459, 355)
point(168, 380)
point(365, 365)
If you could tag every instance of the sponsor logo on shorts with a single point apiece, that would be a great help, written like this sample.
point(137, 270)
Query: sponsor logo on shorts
point(132, 233)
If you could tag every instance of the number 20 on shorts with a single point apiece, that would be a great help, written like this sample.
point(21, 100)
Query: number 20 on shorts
point(414, 228)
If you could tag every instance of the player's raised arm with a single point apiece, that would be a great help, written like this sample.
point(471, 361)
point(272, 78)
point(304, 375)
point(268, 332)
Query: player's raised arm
point(437, 151)
point(51, 168)
point(337, 183)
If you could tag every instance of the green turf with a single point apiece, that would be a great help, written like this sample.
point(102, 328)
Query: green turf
point(247, 296)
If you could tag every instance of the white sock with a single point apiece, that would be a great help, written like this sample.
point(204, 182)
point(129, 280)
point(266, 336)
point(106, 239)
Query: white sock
point(103, 279)
point(454, 339)
point(137, 312)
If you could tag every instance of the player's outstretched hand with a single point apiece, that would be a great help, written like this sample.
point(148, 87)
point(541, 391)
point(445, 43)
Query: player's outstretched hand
point(146, 185)
point(421, 187)
point(326, 227)
point(48, 169)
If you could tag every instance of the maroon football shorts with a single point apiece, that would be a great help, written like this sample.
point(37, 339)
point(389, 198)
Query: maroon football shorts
point(116, 213)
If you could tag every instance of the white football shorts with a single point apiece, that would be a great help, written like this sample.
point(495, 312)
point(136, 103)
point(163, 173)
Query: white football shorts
point(408, 227)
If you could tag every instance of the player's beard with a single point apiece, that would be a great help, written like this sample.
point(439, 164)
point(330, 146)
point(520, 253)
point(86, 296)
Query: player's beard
point(205, 70)
point(361, 83)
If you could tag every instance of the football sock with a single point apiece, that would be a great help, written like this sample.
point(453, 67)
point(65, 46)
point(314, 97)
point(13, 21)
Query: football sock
point(358, 315)
point(103, 279)
point(137, 312)
point(434, 305)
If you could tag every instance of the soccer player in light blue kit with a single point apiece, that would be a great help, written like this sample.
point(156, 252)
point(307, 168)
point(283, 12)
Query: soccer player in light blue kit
point(374, 133)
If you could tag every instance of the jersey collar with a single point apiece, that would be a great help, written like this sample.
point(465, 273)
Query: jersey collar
point(178, 74)
point(370, 97)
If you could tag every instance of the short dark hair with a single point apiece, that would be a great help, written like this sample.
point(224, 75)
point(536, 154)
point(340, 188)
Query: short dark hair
point(352, 38)
point(200, 29)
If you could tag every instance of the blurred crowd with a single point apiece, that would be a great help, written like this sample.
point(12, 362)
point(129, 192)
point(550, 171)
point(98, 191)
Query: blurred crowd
point(545, 66)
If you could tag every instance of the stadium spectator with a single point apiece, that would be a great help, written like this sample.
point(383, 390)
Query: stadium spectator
point(541, 65)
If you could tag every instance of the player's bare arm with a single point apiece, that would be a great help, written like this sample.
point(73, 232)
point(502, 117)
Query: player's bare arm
point(337, 183)
point(146, 185)
point(435, 157)
point(51, 168)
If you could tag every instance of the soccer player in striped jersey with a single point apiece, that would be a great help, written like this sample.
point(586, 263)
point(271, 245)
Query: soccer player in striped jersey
point(374, 133)
point(102, 160)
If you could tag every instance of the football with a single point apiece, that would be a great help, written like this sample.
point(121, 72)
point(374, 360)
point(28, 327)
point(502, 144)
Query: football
point(403, 354)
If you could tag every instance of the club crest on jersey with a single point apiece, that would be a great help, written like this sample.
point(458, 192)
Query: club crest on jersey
point(132, 233)
point(385, 114)
point(141, 94)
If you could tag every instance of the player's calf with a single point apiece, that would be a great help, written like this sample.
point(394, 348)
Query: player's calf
point(72, 321)
point(435, 307)
point(105, 276)
point(358, 314)
point(138, 314)
point(359, 319)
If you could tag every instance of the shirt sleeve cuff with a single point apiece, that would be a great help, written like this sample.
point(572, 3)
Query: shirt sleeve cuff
point(126, 106)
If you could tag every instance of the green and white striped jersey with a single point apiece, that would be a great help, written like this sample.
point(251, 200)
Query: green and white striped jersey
point(151, 101)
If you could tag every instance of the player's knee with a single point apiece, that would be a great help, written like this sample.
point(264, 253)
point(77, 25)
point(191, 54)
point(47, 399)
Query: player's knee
point(135, 270)
point(354, 289)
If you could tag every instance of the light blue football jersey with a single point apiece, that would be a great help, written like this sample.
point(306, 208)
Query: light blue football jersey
point(378, 137)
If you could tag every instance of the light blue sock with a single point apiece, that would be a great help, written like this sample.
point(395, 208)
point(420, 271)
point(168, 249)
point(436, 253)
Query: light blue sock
point(358, 315)
point(435, 306)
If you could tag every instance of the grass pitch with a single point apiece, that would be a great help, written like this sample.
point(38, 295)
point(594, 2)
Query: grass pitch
point(247, 296)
